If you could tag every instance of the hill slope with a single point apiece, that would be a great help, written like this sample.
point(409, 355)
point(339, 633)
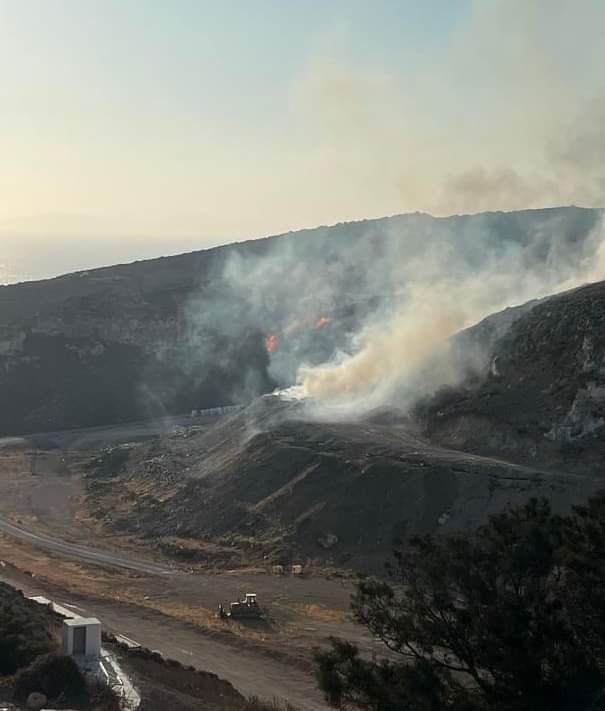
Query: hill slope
point(173, 334)
point(268, 483)
point(542, 400)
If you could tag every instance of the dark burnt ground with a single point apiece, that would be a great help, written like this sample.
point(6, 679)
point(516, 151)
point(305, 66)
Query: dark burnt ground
point(268, 487)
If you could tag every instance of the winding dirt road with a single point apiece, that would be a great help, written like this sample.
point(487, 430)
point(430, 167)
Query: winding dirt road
point(250, 673)
point(80, 553)
point(259, 669)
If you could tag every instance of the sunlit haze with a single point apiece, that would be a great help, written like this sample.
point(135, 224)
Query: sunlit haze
point(136, 128)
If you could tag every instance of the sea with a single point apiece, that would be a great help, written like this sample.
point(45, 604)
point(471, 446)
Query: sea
point(10, 276)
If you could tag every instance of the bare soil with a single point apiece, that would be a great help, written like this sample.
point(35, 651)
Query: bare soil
point(255, 669)
point(268, 487)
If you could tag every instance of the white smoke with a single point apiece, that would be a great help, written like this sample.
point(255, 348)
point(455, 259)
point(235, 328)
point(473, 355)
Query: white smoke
point(444, 294)
point(508, 113)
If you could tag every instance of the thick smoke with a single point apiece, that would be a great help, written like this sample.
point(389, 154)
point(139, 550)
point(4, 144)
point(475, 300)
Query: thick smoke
point(445, 293)
point(508, 114)
point(283, 294)
point(360, 315)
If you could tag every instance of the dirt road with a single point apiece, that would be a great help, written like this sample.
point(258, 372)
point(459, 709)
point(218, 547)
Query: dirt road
point(250, 673)
point(275, 665)
point(207, 589)
point(162, 607)
point(106, 435)
point(81, 553)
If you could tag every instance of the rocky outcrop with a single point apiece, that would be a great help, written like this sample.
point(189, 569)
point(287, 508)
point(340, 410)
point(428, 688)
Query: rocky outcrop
point(542, 401)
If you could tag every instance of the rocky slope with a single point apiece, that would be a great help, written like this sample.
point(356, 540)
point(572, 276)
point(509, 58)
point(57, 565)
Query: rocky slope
point(170, 335)
point(542, 401)
point(345, 493)
point(108, 346)
point(269, 485)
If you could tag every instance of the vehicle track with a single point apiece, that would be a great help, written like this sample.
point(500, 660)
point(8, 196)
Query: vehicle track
point(81, 553)
point(251, 673)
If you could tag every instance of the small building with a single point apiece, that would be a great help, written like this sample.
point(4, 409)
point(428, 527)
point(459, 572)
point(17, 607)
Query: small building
point(82, 637)
point(297, 569)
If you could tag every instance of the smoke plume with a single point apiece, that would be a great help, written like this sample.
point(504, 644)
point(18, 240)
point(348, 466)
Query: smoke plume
point(445, 293)
point(362, 314)
point(508, 114)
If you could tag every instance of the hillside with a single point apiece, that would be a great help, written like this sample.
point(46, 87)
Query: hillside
point(542, 401)
point(269, 484)
point(288, 489)
point(228, 324)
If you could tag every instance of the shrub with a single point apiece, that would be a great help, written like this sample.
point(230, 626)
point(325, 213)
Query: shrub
point(255, 704)
point(25, 631)
point(103, 697)
point(55, 676)
point(507, 619)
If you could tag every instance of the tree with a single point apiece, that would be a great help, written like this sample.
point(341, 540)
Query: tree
point(55, 676)
point(584, 561)
point(486, 621)
point(26, 630)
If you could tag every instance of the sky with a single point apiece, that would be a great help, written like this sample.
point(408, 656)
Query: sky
point(135, 128)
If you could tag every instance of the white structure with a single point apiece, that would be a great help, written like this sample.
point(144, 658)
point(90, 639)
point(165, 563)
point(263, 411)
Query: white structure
point(82, 637)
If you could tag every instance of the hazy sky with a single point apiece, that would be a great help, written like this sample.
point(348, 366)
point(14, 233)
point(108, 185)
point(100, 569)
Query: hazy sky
point(138, 127)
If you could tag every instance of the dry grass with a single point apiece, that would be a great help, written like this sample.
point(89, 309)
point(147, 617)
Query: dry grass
point(15, 466)
point(323, 614)
point(82, 579)
point(254, 704)
point(114, 585)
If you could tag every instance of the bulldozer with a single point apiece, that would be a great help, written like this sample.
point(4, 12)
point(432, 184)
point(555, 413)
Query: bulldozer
point(245, 609)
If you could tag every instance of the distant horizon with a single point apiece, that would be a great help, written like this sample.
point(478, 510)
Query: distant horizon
point(19, 278)
point(130, 129)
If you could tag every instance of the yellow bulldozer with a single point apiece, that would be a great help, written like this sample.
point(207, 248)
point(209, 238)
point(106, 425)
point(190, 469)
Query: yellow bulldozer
point(244, 609)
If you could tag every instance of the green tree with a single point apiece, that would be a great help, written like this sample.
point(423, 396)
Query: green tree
point(507, 619)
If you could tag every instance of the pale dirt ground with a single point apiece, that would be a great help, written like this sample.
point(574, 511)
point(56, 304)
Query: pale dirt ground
point(176, 613)
point(40, 486)
point(251, 670)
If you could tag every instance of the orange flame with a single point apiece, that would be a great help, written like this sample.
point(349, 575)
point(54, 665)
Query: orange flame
point(322, 321)
point(271, 343)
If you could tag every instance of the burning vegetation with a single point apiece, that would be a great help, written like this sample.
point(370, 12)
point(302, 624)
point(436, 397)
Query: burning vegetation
point(271, 343)
point(272, 339)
